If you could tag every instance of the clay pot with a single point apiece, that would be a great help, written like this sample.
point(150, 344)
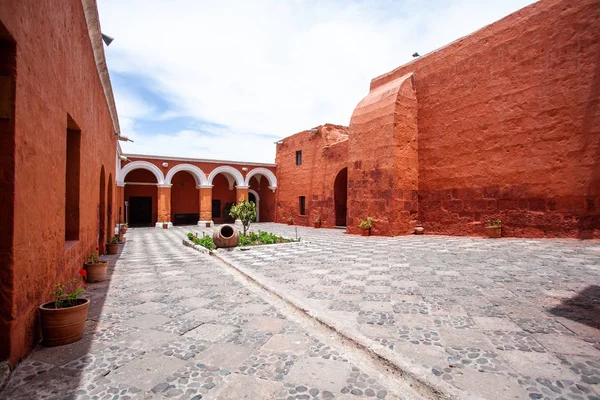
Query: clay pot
point(208, 224)
point(493, 231)
point(419, 230)
point(365, 231)
point(120, 237)
point(123, 230)
point(317, 224)
point(96, 272)
point(226, 236)
point(112, 248)
point(165, 226)
point(63, 325)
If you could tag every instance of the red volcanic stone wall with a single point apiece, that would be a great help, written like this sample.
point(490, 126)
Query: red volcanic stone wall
point(383, 159)
point(315, 178)
point(55, 75)
point(509, 125)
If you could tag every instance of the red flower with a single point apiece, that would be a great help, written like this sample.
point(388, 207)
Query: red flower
point(83, 272)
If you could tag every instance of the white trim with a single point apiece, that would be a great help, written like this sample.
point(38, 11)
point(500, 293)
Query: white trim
point(204, 186)
point(139, 184)
point(199, 160)
point(203, 223)
point(257, 197)
point(199, 176)
point(227, 170)
point(141, 165)
point(242, 187)
point(163, 186)
point(264, 172)
point(159, 225)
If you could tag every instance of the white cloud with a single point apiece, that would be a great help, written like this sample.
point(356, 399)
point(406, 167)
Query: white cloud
point(270, 67)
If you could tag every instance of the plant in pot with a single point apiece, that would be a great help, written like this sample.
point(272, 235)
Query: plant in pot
point(120, 237)
point(290, 220)
point(165, 225)
point(124, 228)
point(63, 319)
point(366, 226)
point(112, 247)
point(493, 228)
point(95, 267)
point(317, 223)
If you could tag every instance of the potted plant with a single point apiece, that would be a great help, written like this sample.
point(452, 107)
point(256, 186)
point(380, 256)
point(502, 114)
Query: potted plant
point(124, 228)
point(317, 223)
point(165, 225)
point(493, 228)
point(112, 247)
point(120, 237)
point(63, 319)
point(366, 226)
point(208, 224)
point(290, 220)
point(95, 267)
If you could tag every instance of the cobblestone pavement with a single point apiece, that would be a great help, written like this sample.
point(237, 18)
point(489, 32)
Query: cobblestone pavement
point(175, 323)
point(501, 319)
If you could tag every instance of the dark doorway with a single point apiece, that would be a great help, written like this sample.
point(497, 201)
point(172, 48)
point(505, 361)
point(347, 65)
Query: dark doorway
point(102, 213)
point(140, 211)
point(252, 198)
point(340, 197)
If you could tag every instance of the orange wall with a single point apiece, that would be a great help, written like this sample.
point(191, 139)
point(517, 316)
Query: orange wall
point(185, 198)
point(266, 199)
point(315, 178)
point(509, 124)
point(221, 192)
point(54, 77)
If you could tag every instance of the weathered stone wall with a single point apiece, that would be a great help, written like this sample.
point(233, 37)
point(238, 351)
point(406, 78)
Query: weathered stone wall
point(508, 125)
point(315, 178)
point(56, 75)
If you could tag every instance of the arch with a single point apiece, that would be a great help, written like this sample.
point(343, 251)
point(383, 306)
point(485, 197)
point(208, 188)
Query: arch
point(227, 170)
point(102, 212)
point(109, 208)
point(340, 197)
point(257, 197)
point(196, 172)
point(264, 172)
point(160, 179)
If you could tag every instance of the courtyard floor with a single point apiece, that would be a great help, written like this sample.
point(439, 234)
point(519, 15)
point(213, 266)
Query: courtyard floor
point(334, 316)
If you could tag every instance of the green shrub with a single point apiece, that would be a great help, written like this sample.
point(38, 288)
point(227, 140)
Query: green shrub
point(255, 239)
point(204, 241)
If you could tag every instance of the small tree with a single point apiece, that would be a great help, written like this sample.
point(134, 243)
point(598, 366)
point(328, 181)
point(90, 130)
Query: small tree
point(244, 211)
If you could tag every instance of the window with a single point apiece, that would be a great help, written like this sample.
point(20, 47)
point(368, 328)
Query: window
point(72, 172)
point(302, 205)
point(299, 157)
point(216, 208)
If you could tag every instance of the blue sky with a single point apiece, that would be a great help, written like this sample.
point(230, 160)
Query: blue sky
point(225, 79)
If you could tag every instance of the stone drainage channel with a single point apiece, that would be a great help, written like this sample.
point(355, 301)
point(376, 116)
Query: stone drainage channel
point(410, 381)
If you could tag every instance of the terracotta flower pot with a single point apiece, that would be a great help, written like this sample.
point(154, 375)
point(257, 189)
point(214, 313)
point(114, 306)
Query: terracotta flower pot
point(208, 224)
point(290, 222)
point(121, 237)
point(96, 272)
point(123, 230)
point(165, 226)
point(63, 325)
point(112, 248)
point(493, 231)
point(317, 224)
point(226, 236)
point(365, 231)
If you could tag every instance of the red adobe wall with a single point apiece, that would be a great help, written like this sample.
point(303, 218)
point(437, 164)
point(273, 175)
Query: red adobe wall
point(509, 125)
point(383, 159)
point(315, 178)
point(56, 75)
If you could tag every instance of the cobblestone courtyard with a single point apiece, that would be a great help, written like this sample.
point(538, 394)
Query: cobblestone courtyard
point(472, 318)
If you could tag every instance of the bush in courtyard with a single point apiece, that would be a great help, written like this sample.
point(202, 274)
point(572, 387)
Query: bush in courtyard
point(254, 239)
point(245, 212)
point(204, 241)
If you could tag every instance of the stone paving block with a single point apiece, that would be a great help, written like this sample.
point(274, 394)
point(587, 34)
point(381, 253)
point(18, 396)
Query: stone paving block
point(562, 344)
point(146, 371)
point(296, 343)
point(318, 372)
point(210, 332)
point(464, 338)
point(251, 308)
point(527, 363)
point(201, 315)
point(149, 307)
point(146, 321)
point(61, 355)
point(238, 386)
point(265, 324)
point(147, 341)
point(224, 355)
point(489, 385)
point(378, 306)
point(495, 324)
point(54, 384)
